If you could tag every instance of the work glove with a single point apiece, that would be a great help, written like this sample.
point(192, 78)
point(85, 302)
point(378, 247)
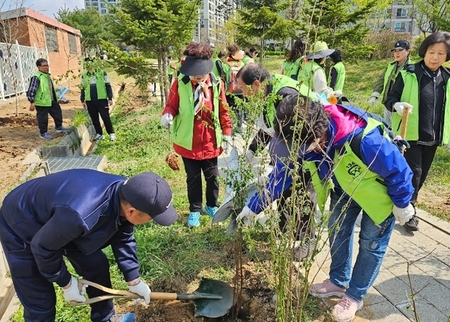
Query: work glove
point(73, 293)
point(400, 106)
point(226, 143)
point(401, 143)
point(166, 120)
point(403, 215)
point(373, 98)
point(246, 216)
point(338, 93)
point(141, 289)
point(249, 156)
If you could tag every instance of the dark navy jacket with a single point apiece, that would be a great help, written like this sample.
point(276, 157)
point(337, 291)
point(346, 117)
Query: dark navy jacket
point(70, 210)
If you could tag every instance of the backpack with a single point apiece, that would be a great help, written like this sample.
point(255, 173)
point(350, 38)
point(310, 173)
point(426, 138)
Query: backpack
point(235, 66)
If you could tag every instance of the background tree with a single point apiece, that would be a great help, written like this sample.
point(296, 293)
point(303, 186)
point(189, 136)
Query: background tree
point(432, 15)
point(156, 27)
point(340, 23)
point(261, 19)
point(92, 25)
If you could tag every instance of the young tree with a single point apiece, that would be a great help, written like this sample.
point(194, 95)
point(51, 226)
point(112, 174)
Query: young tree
point(155, 27)
point(91, 24)
point(340, 23)
point(432, 15)
point(262, 19)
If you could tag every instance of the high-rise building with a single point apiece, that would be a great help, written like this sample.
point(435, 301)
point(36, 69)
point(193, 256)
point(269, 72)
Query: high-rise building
point(100, 5)
point(212, 16)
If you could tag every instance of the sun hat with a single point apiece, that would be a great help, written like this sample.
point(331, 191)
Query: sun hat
point(401, 44)
point(151, 194)
point(196, 66)
point(319, 50)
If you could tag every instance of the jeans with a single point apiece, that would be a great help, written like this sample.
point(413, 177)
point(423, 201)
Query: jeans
point(373, 242)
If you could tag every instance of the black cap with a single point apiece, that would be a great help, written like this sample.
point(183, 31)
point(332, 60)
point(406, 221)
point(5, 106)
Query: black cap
point(151, 194)
point(401, 44)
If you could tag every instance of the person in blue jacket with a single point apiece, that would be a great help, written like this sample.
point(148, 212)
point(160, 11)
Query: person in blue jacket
point(375, 179)
point(73, 214)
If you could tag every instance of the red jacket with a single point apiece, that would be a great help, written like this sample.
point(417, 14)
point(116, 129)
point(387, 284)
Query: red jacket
point(204, 139)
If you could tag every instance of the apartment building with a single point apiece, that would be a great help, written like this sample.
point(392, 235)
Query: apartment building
point(212, 15)
point(401, 17)
point(100, 5)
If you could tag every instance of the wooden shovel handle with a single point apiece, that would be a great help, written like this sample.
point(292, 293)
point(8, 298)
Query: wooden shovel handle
point(163, 296)
point(404, 125)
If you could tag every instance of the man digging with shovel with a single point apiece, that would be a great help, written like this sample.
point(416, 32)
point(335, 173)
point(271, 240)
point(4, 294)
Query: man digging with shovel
point(73, 214)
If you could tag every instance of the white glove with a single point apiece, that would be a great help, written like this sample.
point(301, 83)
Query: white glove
point(166, 120)
point(400, 106)
point(373, 98)
point(73, 293)
point(246, 216)
point(141, 289)
point(402, 215)
point(249, 156)
point(226, 143)
point(338, 93)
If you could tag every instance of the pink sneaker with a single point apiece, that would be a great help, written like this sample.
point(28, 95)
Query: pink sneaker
point(346, 308)
point(326, 289)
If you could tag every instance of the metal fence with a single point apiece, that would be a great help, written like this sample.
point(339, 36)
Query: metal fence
point(17, 64)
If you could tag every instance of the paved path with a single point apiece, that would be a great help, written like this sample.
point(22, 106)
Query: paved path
point(389, 300)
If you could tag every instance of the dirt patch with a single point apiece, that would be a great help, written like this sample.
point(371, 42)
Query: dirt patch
point(19, 135)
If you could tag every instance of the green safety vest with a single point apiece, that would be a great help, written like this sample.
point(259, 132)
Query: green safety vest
point(307, 72)
point(280, 81)
point(354, 177)
point(43, 96)
point(292, 68)
point(183, 123)
point(411, 94)
point(340, 69)
point(99, 84)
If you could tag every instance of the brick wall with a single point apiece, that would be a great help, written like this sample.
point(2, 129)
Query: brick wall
point(32, 32)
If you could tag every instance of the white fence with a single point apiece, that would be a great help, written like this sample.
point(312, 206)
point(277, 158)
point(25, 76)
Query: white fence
point(17, 64)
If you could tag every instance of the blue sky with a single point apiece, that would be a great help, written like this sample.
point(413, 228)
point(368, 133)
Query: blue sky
point(46, 7)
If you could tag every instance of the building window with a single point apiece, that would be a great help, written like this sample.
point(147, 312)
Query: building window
point(401, 13)
point(103, 5)
point(400, 26)
point(103, 11)
point(72, 44)
point(51, 36)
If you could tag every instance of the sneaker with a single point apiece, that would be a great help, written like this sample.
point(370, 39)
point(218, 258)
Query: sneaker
point(305, 249)
point(112, 137)
point(194, 219)
point(211, 211)
point(127, 317)
point(326, 289)
point(98, 137)
point(46, 136)
point(412, 224)
point(62, 129)
point(345, 309)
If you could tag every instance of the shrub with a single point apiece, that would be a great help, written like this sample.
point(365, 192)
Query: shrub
point(384, 41)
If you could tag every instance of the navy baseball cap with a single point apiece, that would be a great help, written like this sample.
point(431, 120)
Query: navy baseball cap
point(151, 194)
point(401, 44)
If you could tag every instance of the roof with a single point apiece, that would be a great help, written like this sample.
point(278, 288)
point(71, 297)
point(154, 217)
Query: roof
point(27, 12)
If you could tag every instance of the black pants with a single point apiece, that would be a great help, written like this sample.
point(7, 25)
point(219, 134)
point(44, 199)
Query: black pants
point(101, 107)
point(36, 293)
point(42, 116)
point(419, 158)
point(194, 170)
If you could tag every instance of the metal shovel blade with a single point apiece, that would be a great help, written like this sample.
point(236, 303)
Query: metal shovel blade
point(214, 308)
